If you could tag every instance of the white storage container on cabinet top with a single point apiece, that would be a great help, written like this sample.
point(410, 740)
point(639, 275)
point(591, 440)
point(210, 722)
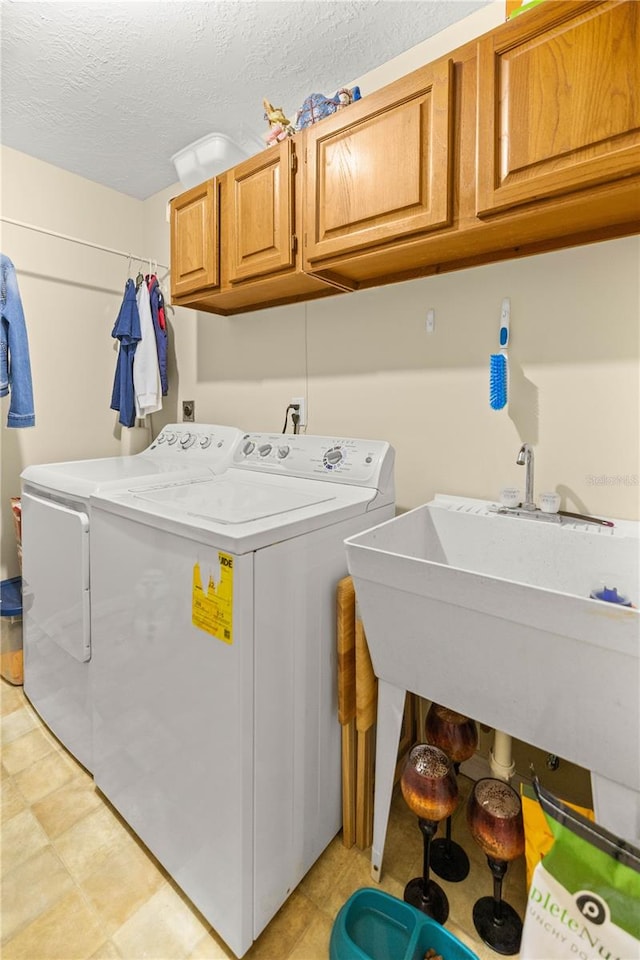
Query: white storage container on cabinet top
point(210, 155)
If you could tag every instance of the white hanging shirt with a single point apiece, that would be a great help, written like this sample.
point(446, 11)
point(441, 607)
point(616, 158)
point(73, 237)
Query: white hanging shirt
point(146, 372)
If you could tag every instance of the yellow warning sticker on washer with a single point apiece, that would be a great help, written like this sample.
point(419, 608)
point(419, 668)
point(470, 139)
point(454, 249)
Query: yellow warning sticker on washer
point(212, 610)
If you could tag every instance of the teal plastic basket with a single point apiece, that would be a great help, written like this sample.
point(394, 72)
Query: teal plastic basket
point(373, 925)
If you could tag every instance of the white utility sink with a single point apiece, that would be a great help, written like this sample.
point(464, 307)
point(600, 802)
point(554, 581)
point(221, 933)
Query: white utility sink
point(491, 616)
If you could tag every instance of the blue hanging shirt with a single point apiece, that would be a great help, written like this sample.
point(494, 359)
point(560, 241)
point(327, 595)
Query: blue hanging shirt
point(127, 331)
point(155, 296)
point(15, 366)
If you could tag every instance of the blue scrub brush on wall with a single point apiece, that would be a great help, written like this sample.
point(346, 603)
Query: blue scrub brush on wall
point(498, 365)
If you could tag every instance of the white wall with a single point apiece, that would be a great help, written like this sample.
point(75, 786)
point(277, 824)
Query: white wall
point(483, 20)
point(71, 295)
point(368, 368)
point(363, 360)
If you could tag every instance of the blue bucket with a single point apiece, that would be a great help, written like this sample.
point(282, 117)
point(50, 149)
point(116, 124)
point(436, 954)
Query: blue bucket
point(11, 597)
point(373, 925)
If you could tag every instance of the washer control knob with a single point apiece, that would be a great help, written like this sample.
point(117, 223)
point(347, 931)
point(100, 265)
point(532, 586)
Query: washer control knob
point(162, 437)
point(205, 442)
point(187, 440)
point(283, 452)
point(265, 449)
point(333, 457)
point(171, 438)
point(248, 447)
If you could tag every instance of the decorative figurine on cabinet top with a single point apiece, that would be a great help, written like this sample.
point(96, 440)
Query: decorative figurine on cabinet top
point(279, 127)
point(317, 106)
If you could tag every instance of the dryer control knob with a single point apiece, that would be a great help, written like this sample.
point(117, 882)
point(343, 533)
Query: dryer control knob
point(205, 442)
point(162, 437)
point(171, 438)
point(248, 447)
point(283, 452)
point(265, 449)
point(187, 440)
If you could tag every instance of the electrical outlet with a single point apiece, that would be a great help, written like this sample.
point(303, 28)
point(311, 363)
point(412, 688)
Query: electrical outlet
point(302, 410)
point(188, 410)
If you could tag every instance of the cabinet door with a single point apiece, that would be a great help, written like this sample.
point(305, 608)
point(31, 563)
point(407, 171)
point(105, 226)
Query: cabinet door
point(194, 240)
point(260, 211)
point(381, 168)
point(558, 102)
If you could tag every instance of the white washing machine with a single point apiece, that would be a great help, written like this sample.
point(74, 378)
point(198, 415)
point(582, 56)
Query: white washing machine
point(214, 665)
point(55, 566)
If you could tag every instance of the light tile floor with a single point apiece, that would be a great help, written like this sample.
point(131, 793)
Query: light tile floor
point(77, 884)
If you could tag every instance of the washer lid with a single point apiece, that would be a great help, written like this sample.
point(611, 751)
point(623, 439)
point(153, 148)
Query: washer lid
point(239, 511)
point(228, 502)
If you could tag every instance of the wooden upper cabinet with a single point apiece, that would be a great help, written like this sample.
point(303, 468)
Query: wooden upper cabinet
point(522, 141)
point(380, 169)
point(195, 240)
point(260, 264)
point(558, 102)
point(260, 211)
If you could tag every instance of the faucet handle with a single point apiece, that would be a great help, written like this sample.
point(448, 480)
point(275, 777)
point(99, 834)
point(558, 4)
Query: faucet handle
point(510, 497)
point(550, 502)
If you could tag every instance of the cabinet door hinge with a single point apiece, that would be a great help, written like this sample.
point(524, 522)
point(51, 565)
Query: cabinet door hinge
point(294, 243)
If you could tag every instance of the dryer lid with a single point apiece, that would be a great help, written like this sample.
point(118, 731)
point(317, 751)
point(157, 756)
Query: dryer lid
point(81, 478)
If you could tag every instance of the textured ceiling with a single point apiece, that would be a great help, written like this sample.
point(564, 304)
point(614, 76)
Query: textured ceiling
point(111, 90)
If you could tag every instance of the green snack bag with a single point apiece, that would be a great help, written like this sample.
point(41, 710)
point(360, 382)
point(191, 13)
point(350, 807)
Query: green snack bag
point(584, 898)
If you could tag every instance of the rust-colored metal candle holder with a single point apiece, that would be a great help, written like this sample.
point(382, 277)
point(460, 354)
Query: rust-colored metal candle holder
point(430, 790)
point(494, 815)
point(457, 736)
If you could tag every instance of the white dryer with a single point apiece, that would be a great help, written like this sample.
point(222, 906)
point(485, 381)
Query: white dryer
point(214, 665)
point(55, 566)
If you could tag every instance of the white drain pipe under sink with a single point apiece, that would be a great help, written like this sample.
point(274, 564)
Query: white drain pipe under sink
point(500, 758)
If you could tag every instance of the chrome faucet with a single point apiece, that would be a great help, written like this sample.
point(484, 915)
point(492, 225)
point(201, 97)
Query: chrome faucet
point(525, 458)
point(528, 507)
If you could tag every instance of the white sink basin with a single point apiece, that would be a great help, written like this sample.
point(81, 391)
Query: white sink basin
point(491, 616)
